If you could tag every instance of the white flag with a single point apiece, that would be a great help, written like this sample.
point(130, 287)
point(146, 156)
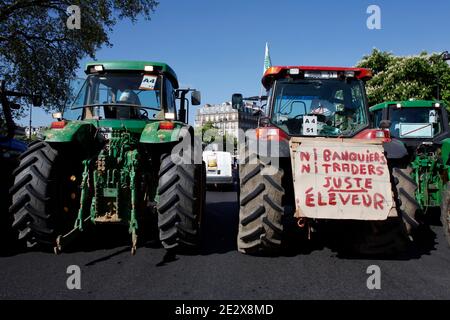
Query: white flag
point(267, 61)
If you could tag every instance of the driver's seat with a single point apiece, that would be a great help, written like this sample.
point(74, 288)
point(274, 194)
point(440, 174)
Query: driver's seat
point(128, 97)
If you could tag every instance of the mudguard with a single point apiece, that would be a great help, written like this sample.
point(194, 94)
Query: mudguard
point(73, 131)
point(395, 149)
point(153, 134)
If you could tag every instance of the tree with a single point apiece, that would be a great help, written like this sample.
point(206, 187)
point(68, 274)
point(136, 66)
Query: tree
point(39, 53)
point(403, 78)
point(210, 134)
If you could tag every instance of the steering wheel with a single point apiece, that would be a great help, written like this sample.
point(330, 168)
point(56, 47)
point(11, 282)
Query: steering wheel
point(144, 113)
point(299, 116)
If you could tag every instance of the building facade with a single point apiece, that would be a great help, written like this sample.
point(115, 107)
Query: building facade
point(226, 119)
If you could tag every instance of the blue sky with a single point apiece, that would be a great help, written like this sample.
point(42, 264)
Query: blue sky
point(218, 46)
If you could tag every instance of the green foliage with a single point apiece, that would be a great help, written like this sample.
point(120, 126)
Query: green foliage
point(210, 134)
point(39, 54)
point(403, 78)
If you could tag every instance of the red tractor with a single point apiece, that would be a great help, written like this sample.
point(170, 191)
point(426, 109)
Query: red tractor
point(314, 158)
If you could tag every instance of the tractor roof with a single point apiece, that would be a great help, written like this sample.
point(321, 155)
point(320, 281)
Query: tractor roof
point(407, 104)
point(135, 66)
point(278, 72)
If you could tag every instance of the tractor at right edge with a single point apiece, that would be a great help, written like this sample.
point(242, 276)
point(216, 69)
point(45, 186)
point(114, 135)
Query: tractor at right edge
point(422, 126)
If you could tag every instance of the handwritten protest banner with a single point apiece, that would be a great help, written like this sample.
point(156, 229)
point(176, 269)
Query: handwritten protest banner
point(345, 180)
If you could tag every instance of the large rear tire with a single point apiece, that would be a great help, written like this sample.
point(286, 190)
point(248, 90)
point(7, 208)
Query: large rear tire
point(261, 206)
point(445, 212)
point(180, 207)
point(395, 234)
point(39, 186)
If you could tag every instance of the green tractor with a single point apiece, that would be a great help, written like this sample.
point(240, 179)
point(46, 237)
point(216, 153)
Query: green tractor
point(315, 162)
point(423, 127)
point(121, 154)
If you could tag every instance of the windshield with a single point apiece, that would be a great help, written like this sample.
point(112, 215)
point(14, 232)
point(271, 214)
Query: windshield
point(415, 122)
point(319, 107)
point(117, 96)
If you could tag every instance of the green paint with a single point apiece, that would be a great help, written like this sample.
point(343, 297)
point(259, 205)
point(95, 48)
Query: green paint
point(426, 172)
point(84, 196)
point(72, 131)
point(152, 133)
point(406, 104)
point(118, 65)
point(110, 192)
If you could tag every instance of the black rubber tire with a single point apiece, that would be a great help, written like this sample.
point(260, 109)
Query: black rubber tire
point(394, 235)
point(180, 207)
point(35, 196)
point(30, 195)
point(7, 241)
point(445, 212)
point(409, 208)
point(261, 207)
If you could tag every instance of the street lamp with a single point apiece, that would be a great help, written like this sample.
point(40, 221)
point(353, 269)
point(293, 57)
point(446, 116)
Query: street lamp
point(446, 57)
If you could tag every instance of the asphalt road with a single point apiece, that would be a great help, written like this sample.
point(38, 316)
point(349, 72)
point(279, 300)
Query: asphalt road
point(220, 272)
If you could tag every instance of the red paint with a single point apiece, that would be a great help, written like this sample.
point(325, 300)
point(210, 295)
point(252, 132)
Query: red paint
point(309, 200)
point(281, 72)
point(327, 182)
point(344, 200)
point(332, 198)
point(304, 156)
point(368, 183)
point(362, 169)
point(378, 201)
point(320, 201)
point(380, 170)
point(345, 167)
point(366, 200)
point(336, 167)
point(305, 168)
point(355, 200)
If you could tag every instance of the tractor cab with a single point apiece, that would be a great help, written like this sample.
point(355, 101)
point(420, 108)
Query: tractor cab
point(134, 90)
point(111, 93)
point(413, 122)
point(317, 101)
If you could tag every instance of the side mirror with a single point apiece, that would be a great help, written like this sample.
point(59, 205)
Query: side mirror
point(237, 101)
point(385, 124)
point(37, 101)
point(196, 98)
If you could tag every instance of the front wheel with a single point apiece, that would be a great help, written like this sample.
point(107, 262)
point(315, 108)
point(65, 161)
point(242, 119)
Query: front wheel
point(261, 207)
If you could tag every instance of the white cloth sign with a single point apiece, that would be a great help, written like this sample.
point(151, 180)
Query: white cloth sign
point(341, 180)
